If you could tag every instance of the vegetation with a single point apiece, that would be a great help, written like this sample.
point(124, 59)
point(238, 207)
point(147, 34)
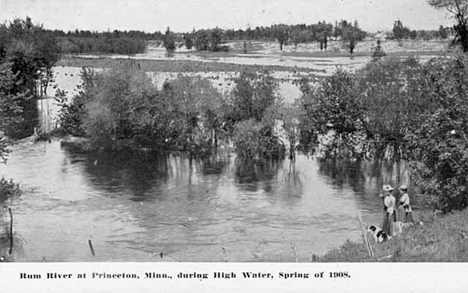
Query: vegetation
point(459, 11)
point(378, 53)
point(121, 108)
point(441, 238)
point(351, 35)
point(209, 40)
point(397, 110)
point(400, 31)
point(169, 41)
point(71, 114)
point(27, 54)
point(8, 188)
point(253, 113)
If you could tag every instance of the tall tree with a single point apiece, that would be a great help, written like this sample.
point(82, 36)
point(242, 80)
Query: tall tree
point(281, 33)
point(400, 31)
point(459, 10)
point(169, 41)
point(31, 52)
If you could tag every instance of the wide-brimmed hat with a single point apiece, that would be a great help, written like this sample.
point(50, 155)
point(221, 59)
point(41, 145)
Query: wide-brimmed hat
point(387, 188)
point(404, 187)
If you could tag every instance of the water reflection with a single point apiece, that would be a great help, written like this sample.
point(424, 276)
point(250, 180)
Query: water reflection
point(135, 206)
point(139, 174)
point(251, 175)
point(367, 178)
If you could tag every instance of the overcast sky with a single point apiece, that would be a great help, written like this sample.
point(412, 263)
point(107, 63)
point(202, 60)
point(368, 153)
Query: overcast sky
point(184, 15)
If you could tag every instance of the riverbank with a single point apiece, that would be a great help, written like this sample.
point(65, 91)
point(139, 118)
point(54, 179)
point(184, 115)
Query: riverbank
point(438, 238)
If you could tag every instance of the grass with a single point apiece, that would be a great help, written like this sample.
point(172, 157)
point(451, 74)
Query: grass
point(440, 238)
point(173, 65)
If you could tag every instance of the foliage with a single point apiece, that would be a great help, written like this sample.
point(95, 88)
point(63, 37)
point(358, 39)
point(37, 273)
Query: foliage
point(197, 110)
point(400, 31)
point(365, 115)
point(188, 41)
point(121, 108)
point(332, 110)
point(208, 40)
point(443, 32)
point(459, 11)
point(351, 35)
point(254, 140)
point(253, 94)
point(30, 52)
point(281, 34)
point(254, 110)
point(8, 188)
point(11, 119)
point(378, 53)
point(169, 41)
point(71, 113)
point(397, 110)
point(439, 151)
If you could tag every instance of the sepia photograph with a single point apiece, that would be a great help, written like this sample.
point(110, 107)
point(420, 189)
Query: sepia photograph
point(233, 132)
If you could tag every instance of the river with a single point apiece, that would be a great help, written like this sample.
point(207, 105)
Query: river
point(132, 208)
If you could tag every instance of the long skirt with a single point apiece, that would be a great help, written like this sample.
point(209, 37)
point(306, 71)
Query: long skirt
point(401, 214)
point(387, 225)
point(408, 217)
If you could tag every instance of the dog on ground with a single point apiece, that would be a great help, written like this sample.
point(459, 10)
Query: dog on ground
point(378, 234)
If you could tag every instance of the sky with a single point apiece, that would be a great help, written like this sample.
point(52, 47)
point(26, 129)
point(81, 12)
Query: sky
point(185, 15)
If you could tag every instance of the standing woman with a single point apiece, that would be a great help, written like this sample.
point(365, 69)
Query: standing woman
point(405, 202)
point(389, 210)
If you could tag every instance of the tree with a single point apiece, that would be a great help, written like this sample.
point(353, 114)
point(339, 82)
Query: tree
point(400, 31)
point(378, 52)
point(352, 35)
point(459, 11)
point(439, 142)
point(281, 34)
point(31, 52)
point(443, 34)
point(169, 41)
point(196, 105)
point(188, 41)
point(208, 40)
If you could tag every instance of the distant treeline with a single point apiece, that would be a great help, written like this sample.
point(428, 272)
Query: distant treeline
point(133, 41)
point(116, 42)
point(401, 32)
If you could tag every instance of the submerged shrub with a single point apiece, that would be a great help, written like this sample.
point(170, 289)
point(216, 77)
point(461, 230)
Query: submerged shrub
point(253, 140)
point(8, 188)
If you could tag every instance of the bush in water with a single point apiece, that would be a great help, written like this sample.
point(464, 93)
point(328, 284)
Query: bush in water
point(253, 140)
point(8, 188)
point(71, 114)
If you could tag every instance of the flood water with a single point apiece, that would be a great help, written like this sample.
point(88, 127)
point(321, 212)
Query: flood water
point(132, 207)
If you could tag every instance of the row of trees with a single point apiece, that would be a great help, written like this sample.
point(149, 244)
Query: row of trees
point(211, 40)
point(202, 40)
point(402, 32)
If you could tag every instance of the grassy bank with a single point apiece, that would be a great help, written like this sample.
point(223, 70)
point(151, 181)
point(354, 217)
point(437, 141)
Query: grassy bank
point(440, 238)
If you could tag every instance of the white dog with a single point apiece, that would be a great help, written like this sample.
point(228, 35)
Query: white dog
point(378, 234)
